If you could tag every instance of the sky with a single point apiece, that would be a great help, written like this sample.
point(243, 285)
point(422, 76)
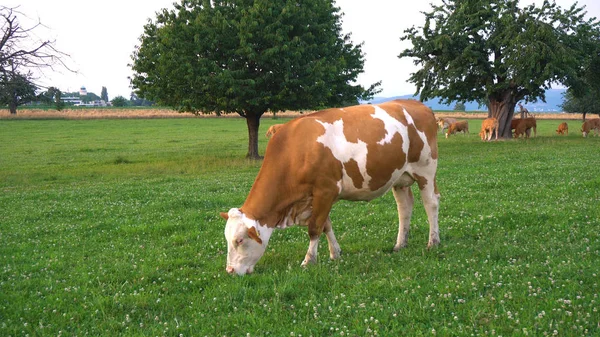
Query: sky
point(100, 37)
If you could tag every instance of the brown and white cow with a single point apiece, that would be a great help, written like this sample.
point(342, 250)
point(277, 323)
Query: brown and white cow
point(272, 129)
point(524, 126)
point(460, 126)
point(444, 123)
point(487, 129)
point(589, 125)
point(354, 153)
point(563, 128)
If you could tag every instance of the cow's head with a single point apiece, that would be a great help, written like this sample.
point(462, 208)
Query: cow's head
point(246, 241)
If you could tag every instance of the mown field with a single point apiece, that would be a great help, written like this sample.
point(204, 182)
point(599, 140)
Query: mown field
point(110, 228)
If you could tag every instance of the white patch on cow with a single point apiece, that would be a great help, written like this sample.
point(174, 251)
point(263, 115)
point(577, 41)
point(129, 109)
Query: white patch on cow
point(426, 151)
point(343, 150)
point(392, 127)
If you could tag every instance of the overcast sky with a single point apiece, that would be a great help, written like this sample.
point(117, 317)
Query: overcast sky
point(100, 37)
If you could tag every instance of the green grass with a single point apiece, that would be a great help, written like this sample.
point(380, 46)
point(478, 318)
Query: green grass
point(111, 227)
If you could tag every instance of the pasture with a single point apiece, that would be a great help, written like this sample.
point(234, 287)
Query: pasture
point(111, 227)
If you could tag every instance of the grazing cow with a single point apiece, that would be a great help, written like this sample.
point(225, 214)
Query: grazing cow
point(589, 125)
point(272, 129)
point(488, 125)
point(444, 123)
point(355, 153)
point(563, 128)
point(523, 126)
point(461, 126)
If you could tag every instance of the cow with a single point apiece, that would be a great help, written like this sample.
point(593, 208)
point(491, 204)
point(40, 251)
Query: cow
point(272, 129)
point(488, 125)
point(523, 126)
point(589, 125)
point(444, 123)
point(356, 153)
point(563, 128)
point(460, 126)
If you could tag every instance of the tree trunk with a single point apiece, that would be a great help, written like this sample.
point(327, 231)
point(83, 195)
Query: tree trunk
point(253, 122)
point(502, 107)
point(12, 107)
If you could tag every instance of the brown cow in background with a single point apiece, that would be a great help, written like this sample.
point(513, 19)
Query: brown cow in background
point(461, 126)
point(563, 128)
point(488, 125)
point(589, 125)
point(523, 126)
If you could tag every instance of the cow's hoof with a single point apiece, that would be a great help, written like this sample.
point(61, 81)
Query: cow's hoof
point(398, 246)
point(335, 254)
point(309, 260)
point(433, 243)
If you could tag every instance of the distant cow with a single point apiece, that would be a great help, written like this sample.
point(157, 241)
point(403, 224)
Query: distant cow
point(524, 126)
point(589, 125)
point(356, 153)
point(272, 129)
point(487, 128)
point(461, 126)
point(563, 128)
point(444, 123)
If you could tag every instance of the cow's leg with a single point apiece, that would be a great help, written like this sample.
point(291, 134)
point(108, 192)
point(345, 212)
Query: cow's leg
point(404, 202)
point(431, 201)
point(334, 247)
point(322, 201)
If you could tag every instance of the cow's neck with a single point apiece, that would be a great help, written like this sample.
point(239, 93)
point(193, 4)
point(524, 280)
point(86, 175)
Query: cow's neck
point(271, 203)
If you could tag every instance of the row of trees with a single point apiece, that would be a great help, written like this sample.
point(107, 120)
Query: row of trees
point(253, 56)
point(248, 57)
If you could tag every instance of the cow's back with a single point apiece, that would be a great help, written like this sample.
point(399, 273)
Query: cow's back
point(364, 149)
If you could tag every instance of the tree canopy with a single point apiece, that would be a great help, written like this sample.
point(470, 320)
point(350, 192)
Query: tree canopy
point(584, 95)
point(248, 57)
point(497, 53)
point(16, 89)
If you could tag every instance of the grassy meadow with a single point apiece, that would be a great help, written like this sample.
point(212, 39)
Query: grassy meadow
point(110, 227)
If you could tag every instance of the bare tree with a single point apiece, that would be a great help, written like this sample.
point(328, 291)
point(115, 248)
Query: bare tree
point(21, 52)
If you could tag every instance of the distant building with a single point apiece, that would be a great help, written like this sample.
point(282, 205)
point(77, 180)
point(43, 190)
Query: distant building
point(71, 100)
point(82, 91)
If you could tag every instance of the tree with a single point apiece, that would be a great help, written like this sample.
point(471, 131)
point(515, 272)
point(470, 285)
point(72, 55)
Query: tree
point(460, 106)
point(52, 95)
point(494, 52)
point(16, 89)
point(104, 94)
point(119, 101)
point(588, 103)
point(584, 95)
point(248, 57)
point(21, 52)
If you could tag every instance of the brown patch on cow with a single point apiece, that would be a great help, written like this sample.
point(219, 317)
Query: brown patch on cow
point(421, 181)
point(383, 160)
point(253, 234)
point(416, 145)
point(354, 173)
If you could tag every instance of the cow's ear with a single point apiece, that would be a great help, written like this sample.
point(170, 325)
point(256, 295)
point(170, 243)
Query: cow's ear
point(224, 215)
point(253, 234)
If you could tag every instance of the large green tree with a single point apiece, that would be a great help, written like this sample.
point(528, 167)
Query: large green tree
point(498, 53)
point(248, 57)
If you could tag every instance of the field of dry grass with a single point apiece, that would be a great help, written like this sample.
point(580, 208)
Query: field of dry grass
point(167, 113)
